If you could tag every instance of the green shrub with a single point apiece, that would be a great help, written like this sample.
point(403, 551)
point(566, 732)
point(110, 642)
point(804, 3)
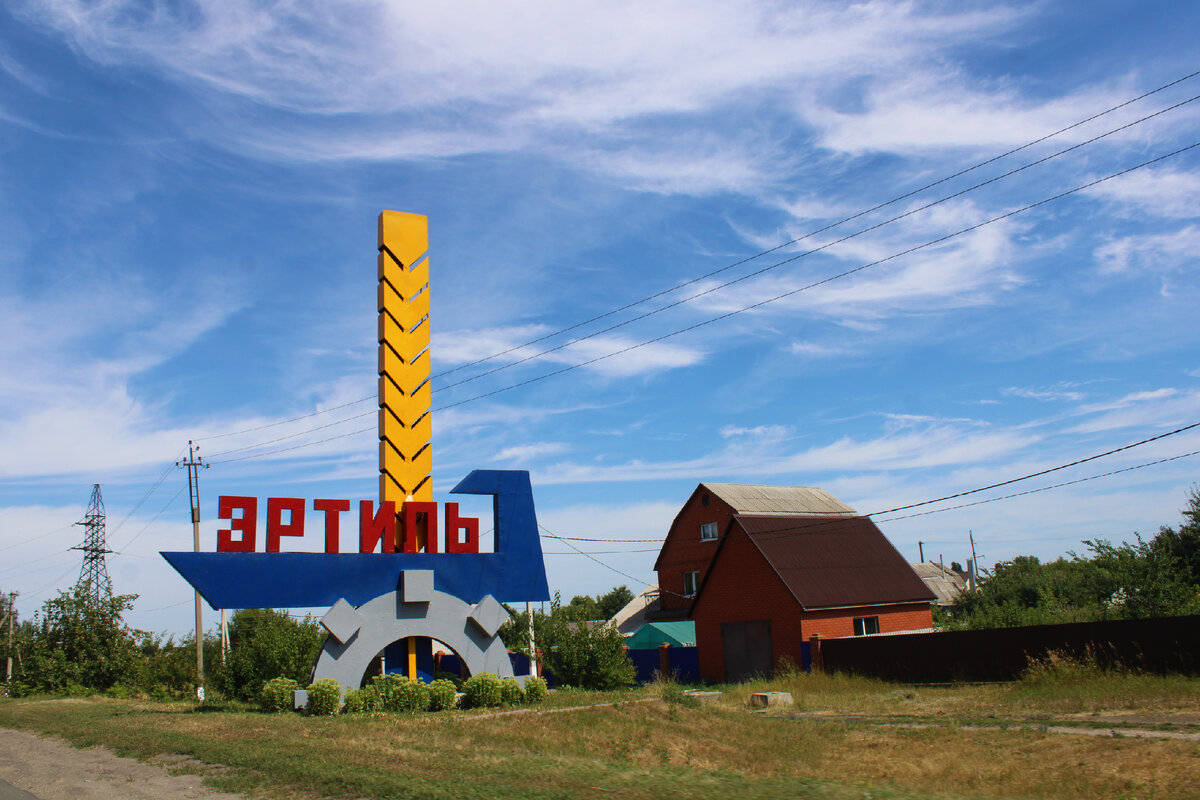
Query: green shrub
point(362, 700)
point(412, 696)
point(276, 695)
point(482, 691)
point(511, 693)
point(384, 688)
point(442, 675)
point(535, 690)
point(442, 695)
point(324, 697)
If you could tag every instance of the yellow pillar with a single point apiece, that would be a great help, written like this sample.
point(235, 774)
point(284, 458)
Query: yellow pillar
point(405, 450)
point(412, 658)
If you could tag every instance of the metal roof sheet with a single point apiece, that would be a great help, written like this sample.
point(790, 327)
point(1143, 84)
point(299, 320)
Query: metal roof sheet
point(833, 562)
point(943, 582)
point(749, 498)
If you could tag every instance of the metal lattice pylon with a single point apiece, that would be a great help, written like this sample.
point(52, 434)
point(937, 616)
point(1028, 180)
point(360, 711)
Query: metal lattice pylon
point(93, 575)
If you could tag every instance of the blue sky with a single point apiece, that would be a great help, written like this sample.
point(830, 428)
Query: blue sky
point(188, 201)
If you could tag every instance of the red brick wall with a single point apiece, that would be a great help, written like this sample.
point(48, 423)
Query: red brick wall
point(683, 551)
point(835, 623)
point(741, 588)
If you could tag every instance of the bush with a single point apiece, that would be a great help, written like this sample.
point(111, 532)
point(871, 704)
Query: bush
point(324, 697)
point(263, 644)
point(276, 695)
point(442, 695)
point(362, 700)
point(442, 675)
point(412, 696)
point(482, 691)
point(535, 690)
point(511, 693)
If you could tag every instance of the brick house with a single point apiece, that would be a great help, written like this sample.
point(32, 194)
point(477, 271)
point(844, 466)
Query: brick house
point(760, 569)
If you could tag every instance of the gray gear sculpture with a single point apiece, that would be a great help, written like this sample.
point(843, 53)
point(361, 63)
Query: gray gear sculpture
point(357, 635)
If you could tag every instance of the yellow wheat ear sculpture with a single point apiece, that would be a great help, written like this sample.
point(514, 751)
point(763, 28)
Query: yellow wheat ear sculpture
point(405, 434)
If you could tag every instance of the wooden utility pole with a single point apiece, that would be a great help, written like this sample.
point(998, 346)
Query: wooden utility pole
point(194, 463)
point(974, 562)
point(12, 616)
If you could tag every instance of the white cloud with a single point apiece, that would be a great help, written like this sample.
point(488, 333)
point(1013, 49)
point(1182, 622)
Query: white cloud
point(1164, 192)
point(1159, 408)
point(528, 452)
point(1058, 392)
point(1153, 252)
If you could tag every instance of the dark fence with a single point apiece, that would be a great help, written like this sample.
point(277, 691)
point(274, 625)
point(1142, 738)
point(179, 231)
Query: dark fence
point(681, 663)
point(1162, 645)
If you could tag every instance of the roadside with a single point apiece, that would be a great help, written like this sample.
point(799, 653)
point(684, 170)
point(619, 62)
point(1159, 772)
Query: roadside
point(49, 769)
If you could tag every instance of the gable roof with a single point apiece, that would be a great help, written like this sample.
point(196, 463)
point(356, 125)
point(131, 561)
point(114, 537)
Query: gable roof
point(756, 498)
point(751, 498)
point(942, 581)
point(829, 562)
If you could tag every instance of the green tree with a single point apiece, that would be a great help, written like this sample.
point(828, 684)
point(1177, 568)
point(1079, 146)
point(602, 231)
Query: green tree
point(582, 653)
point(266, 644)
point(78, 641)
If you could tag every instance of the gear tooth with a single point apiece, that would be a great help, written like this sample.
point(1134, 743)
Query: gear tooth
point(342, 621)
point(489, 615)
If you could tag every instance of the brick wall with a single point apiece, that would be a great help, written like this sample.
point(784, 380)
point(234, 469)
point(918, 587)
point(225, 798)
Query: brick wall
point(683, 551)
point(836, 623)
point(743, 587)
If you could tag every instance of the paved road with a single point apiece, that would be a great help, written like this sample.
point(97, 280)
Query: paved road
point(10, 792)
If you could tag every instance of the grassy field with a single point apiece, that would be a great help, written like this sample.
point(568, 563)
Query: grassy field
point(844, 738)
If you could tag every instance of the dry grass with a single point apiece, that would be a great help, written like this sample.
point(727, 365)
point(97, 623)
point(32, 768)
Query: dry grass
point(667, 750)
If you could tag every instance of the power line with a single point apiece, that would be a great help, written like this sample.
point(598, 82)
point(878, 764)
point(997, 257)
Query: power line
point(748, 259)
point(821, 230)
point(761, 303)
point(121, 552)
point(829, 279)
point(1045, 488)
point(1040, 473)
point(814, 250)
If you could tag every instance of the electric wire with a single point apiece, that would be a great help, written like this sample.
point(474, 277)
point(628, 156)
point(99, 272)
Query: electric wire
point(705, 276)
point(127, 545)
point(821, 230)
point(151, 490)
point(812, 251)
point(767, 301)
point(1045, 488)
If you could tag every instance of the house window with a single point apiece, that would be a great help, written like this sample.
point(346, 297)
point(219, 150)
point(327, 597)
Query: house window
point(865, 626)
point(691, 582)
point(708, 531)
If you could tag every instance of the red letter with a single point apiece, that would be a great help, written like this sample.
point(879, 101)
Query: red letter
point(454, 524)
point(276, 528)
point(420, 532)
point(247, 524)
point(333, 514)
point(374, 529)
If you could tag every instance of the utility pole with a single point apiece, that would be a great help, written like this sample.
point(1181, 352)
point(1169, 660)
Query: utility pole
point(974, 561)
point(12, 615)
point(194, 463)
point(921, 551)
point(532, 643)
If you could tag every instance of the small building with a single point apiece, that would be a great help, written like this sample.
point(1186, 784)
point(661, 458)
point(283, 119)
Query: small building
point(944, 582)
point(782, 565)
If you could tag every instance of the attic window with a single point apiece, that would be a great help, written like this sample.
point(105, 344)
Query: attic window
point(691, 582)
point(704, 500)
point(865, 626)
point(708, 531)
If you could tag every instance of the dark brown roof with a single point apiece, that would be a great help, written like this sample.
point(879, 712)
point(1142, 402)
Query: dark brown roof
point(832, 562)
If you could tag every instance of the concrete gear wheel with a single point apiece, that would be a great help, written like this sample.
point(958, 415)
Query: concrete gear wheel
point(357, 635)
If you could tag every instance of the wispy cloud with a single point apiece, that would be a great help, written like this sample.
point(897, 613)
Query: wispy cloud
point(1164, 192)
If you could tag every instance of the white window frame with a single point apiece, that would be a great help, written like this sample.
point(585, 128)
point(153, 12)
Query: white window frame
point(695, 581)
point(708, 532)
point(860, 626)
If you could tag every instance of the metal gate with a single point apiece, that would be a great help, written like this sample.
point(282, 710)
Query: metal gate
point(747, 648)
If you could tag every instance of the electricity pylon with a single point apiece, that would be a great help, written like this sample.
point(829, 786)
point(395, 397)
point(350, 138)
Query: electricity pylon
point(93, 575)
